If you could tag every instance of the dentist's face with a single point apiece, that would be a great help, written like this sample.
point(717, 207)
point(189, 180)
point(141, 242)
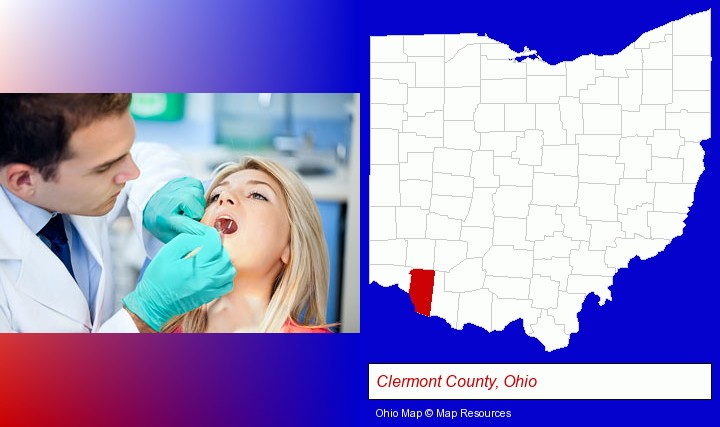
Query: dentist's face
point(89, 182)
point(250, 211)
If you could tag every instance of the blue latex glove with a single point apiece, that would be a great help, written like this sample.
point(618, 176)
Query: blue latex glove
point(173, 285)
point(175, 208)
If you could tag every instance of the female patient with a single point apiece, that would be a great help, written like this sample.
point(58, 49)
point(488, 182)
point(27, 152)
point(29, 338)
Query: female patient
point(271, 228)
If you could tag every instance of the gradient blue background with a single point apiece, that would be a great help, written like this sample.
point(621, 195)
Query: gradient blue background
point(663, 309)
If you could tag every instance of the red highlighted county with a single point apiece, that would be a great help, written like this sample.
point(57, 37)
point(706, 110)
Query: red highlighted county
point(421, 290)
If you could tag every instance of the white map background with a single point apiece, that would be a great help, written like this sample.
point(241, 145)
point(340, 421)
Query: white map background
point(524, 185)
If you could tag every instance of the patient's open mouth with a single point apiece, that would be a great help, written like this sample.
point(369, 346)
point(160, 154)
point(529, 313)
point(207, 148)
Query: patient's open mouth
point(225, 225)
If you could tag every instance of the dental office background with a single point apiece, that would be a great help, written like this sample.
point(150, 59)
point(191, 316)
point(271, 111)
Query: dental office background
point(317, 135)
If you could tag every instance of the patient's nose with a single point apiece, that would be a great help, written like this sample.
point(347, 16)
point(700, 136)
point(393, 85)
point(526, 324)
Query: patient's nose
point(225, 198)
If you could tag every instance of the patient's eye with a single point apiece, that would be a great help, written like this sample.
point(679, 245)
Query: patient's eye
point(258, 196)
point(214, 197)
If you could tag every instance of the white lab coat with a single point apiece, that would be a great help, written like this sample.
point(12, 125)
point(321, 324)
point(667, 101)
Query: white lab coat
point(37, 293)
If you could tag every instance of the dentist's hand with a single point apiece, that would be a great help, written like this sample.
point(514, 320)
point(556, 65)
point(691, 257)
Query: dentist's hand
point(173, 285)
point(175, 208)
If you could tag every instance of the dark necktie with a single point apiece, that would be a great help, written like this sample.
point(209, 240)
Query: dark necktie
point(54, 231)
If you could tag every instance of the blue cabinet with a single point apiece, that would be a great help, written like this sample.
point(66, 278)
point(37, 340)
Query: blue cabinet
point(331, 214)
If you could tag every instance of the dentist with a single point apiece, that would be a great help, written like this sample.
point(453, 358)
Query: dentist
point(68, 168)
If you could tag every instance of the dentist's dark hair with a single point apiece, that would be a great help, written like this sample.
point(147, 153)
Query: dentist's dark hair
point(35, 128)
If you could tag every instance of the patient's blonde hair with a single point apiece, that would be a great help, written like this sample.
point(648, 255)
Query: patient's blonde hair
point(301, 288)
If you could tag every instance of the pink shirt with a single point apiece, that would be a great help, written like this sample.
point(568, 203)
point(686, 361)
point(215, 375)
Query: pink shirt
point(289, 327)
